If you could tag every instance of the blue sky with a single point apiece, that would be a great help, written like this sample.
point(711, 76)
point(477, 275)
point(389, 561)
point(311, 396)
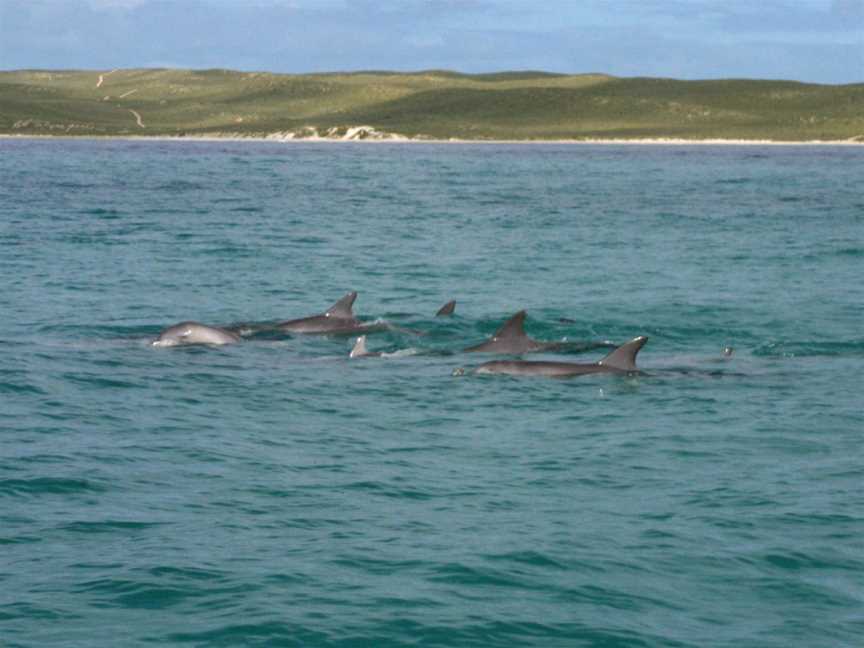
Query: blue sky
point(808, 40)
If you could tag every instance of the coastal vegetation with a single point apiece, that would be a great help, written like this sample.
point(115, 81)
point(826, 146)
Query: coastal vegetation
point(423, 105)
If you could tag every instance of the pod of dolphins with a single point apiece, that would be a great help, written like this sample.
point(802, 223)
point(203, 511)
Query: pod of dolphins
point(509, 339)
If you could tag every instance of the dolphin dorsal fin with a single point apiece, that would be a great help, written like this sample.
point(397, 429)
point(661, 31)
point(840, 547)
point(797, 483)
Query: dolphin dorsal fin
point(359, 348)
point(513, 328)
point(624, 357)
point(446, 309)
point(342, 308)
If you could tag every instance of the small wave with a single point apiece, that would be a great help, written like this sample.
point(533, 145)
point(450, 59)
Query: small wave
point(532, 558)
point(22, 539)
point(106, 214)
point(22, 610)
point(401, 353)
point(266, 633)
point(378, 488)
point(179, 186)
point(459, 574)
point(798, 561)
point(174, 587)
point(99, 381)
point(14, 388)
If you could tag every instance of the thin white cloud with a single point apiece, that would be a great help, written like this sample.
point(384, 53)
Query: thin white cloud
point(99, 5)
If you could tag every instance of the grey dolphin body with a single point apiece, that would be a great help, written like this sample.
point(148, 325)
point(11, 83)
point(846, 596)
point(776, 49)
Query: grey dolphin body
point(620, 361)
point(337, 320)
point(194, 333)
point(511, 338)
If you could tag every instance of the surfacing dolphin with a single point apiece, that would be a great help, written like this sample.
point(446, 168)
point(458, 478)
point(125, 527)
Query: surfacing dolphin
point(194, 333)
point(359, 350)
point(337, 320)
point(446, 309)
point(620, 361)
point(512, 339)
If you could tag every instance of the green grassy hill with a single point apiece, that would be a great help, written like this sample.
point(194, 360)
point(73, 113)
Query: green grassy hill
point(433, 104)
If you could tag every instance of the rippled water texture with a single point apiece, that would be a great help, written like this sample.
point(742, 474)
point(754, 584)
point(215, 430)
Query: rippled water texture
point(274, 493)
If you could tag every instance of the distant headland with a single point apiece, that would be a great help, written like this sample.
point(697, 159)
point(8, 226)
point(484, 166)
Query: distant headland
point(430, 105)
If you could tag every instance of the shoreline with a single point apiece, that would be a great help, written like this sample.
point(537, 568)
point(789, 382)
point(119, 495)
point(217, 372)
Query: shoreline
point(648, 141)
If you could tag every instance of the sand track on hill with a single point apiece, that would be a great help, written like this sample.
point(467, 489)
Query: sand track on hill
point(102, 78)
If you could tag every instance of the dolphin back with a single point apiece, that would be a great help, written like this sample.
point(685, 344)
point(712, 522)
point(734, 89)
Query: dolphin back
point(446, 309)
point(513, 328)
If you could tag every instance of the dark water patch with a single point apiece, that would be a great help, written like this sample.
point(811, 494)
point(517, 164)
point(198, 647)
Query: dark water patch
point(596, 595)
point(103, 213)
point(34, 611)
point(391, 491)
point(109, 526)
point(15, 389)
point(49, 486)
point(179, 186)
point(21, 539)
point(146, 595)
point(797, 592)
point(529, 558)
point(379, 567)
point(187, 573)
point(482, 577)
point(99, 381)
point(232, 251)
point(478, 631)
point(799, 561)
point(72, 185)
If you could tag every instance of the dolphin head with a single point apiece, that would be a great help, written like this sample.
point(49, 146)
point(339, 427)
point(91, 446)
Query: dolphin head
point(173, 335)
point(194, 333)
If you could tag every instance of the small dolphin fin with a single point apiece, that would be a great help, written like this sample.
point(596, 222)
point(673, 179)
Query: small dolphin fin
point(446, 309)
point(343, 308)
point(624, 357)
point(513, 328)
point(359, 349)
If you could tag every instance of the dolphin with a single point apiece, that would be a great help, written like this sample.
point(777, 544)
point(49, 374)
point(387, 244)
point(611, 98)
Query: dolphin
point(446, 309)
point(194, 333)
point(360, 351)
point(511, 338)
point(337, 320)
point(620, 361)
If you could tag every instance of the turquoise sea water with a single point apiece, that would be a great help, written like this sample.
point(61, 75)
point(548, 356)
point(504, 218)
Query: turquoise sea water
point(274, 493)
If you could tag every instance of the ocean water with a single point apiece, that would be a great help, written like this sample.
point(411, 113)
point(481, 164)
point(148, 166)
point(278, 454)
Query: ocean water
point(276, 493)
